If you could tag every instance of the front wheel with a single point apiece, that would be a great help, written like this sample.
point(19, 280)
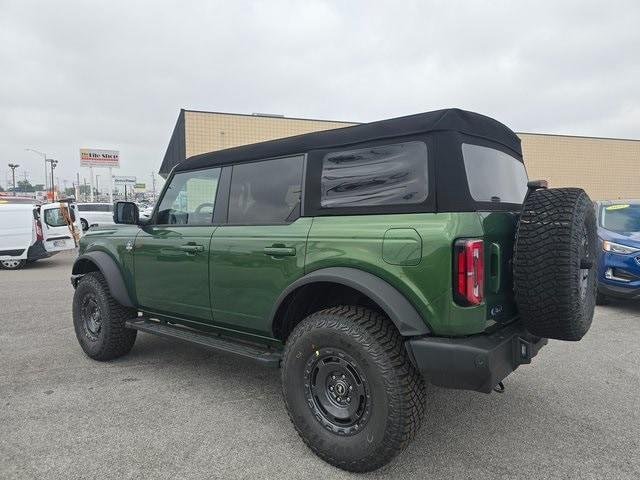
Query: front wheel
point(351, 391)
point(99, 321)
point(12, 264)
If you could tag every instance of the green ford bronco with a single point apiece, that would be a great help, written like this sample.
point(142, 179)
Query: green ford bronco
point(363, 261)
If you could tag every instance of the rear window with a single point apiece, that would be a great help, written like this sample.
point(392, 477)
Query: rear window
point(494, 176)
point(620, 218)
point(393, 174)
point(54, 217)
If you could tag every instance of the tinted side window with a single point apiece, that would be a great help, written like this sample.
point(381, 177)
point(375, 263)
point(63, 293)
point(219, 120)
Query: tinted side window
point(83, 208)
point(393, 174)
point(266, 192)
point(190, 198)
point(494, 176)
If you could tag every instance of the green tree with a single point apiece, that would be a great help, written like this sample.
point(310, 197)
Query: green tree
point(24, 186)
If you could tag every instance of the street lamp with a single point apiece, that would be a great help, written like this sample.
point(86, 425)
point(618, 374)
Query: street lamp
point(43, 155)
point(13, 167)
point(53, 163)
point(97, 189)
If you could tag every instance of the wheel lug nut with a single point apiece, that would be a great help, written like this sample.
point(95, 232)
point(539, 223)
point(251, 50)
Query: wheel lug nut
point(343, 376)
point(338, 398)
point(333, 377)
point(350, 387)
point(331, 387)
point(348, 399)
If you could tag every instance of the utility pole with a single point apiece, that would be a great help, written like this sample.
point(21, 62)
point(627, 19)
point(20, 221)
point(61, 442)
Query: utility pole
point(153, 183)
point(43, 155)
point(13, 167)
point(53, 163)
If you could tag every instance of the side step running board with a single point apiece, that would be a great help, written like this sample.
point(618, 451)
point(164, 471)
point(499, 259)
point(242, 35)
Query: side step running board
point(263, 355)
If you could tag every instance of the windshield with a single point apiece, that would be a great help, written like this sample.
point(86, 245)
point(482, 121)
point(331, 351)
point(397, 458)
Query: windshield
point(620, 218)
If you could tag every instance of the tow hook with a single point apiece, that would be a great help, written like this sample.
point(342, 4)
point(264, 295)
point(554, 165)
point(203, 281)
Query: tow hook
point(499, 388)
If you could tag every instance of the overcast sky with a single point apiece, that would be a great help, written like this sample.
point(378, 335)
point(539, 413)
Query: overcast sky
point(114, 74)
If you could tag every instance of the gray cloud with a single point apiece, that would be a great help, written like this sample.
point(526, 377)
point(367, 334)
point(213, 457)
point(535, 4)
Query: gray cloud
point(114, 74)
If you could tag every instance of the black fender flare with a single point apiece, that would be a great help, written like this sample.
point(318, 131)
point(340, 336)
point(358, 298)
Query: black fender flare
point(109, 269)
point(401, 312)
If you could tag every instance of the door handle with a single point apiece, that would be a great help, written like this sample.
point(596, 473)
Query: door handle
point(495, 267)
point(279, 251)
point(192, 248)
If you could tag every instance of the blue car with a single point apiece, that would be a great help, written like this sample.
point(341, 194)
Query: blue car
point(619, 259)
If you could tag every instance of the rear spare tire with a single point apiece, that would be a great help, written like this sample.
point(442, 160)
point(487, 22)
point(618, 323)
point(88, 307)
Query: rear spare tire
point(554, 263)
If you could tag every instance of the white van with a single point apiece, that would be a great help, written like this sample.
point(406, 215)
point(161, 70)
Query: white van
point(95, 214)
point(29, 231)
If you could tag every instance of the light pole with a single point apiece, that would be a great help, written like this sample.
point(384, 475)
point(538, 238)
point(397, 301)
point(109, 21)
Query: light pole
point(13, 167)
point(43, 155)
point(97, 187)
point(53, 163)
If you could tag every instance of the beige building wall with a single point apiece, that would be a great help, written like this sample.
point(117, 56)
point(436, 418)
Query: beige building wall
point(206, 132)
point(606, 168)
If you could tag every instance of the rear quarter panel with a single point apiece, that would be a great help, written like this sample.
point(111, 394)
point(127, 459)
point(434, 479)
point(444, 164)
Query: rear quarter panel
point(357, 241)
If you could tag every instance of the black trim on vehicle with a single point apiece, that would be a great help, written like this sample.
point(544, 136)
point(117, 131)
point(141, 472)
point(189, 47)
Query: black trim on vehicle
point(403, 315)
point(12, 253)
point(109, 270)
point(64, 237)
point(478, 362)
point(37, 251)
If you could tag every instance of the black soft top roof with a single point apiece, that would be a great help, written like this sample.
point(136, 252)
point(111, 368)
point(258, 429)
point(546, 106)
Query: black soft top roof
point(451, 119)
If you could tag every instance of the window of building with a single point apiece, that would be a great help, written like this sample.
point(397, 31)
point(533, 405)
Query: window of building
point(494, 176)
point(190, 198)
point(266, 192)
point(393, 174)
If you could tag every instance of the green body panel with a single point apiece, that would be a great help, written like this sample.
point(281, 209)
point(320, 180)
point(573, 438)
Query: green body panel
point(357, 241)
point(112, 239)
point(234, 282)
point(170, 278)
point(250, 267)
point(499, 238)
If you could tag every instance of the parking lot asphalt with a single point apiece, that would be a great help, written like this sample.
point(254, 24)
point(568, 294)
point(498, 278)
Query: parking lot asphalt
point(171, 411)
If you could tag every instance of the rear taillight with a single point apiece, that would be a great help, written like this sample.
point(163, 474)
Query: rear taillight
point(38, 229)
point(468, 271)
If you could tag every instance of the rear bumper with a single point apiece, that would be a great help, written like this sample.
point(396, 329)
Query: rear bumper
point(476, 363)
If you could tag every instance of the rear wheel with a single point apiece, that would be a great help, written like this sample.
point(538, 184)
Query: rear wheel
point(12, 264)
point(350, 390)
point(99, 321)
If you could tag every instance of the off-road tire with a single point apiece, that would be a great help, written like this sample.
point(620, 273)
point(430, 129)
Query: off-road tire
point(113, 339)
point(12, 264)
point(397, 394)
point(554, 263)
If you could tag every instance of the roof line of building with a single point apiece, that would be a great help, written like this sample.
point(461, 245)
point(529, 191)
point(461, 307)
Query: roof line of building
point(279, 117)
point(579, 136)
point(273, 117)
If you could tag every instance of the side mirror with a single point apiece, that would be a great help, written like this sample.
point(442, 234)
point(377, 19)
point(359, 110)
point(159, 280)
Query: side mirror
point(126, 213)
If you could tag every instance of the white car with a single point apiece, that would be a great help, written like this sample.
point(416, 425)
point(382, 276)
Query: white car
point(95, 214)
point(30, 231)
